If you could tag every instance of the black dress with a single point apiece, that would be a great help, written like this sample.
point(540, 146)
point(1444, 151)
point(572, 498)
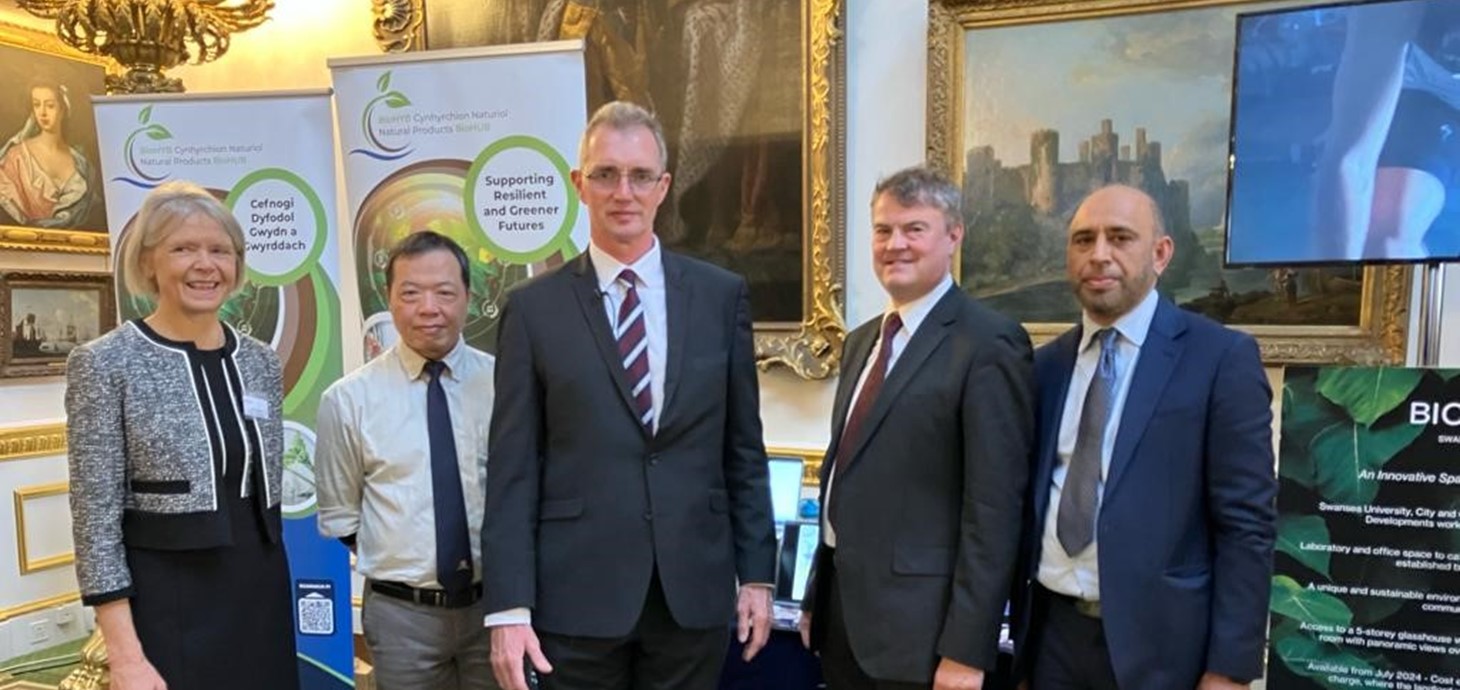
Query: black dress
point(220, 618)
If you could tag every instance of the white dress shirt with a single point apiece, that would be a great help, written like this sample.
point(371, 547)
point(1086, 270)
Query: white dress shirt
point(1079, 576)
point(650, 270)
point(373, 459)
point(913, 313)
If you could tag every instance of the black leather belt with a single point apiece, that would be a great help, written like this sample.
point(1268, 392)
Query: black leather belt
point(427, 597)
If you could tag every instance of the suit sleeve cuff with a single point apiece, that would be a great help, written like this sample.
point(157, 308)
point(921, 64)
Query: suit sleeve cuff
point(518, 616)
point(95, 600)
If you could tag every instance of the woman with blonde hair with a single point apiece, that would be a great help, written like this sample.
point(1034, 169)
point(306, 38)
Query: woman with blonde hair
point(174, 425)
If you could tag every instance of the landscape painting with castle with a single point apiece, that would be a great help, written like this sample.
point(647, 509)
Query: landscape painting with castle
point(1053, 111)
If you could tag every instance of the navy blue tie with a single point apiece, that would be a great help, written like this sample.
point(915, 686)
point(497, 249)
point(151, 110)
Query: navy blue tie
point(453, 545)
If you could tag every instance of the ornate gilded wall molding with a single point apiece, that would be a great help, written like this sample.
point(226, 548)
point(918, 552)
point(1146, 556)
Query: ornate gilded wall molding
point(32, 441)
point(398, 24)
point(38, 605)
point(814, 350)
point(28, 562)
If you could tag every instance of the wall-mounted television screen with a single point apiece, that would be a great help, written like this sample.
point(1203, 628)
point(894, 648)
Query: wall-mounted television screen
point(1345, 135)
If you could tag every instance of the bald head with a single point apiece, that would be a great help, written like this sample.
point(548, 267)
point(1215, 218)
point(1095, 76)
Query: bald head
point(1145, 209)
point(1117, 248)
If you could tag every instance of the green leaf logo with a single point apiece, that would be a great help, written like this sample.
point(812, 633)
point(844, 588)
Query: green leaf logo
point(396, 99)
point(157, 132)
point(383, 82)
point(145, 115)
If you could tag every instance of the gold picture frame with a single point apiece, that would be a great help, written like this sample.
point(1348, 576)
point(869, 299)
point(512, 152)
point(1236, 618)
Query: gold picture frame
point(810, 348)
point(47, 314)
point(28, 562)
point(1377, 333)
point(48, 51)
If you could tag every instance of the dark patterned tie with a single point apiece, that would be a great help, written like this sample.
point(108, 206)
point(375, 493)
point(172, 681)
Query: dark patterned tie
point(1080, 497)
point(633, 348)
point(870, 388)
point(453, 546)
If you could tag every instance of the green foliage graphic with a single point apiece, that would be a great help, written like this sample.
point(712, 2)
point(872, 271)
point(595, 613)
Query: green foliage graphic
point(1368, 393)
point(1293, 532)
point(1305, 414)
point(1308, 606)
point(1344, 452)
point(1308, 657)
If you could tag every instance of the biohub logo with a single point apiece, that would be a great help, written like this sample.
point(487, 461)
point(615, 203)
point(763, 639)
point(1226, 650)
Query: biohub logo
point(382, 126)
point(146, 147)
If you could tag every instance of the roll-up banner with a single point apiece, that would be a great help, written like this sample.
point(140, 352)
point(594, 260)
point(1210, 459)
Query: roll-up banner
point(1366, 592)
point(270, 158)
point(476, 144)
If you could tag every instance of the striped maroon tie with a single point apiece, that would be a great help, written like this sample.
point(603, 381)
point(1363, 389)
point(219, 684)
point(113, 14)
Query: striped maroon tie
point(633, 348)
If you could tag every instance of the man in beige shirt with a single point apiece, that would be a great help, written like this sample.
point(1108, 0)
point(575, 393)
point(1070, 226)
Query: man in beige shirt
point(401, 462)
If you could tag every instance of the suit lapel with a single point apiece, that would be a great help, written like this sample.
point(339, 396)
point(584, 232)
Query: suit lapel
point(585, 287)
point(677, 295)
point(858, 349)
point(929, 335)
point(1053, 390)
point(1159, 355)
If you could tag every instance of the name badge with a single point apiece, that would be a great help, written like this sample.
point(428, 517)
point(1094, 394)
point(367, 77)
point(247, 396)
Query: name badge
point(255, 407)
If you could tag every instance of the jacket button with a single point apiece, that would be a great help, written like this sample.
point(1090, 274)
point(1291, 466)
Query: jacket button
point(648, 516)
point(654, 459)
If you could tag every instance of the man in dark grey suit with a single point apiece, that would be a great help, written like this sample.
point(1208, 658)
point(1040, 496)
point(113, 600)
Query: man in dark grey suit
point(627, 485)
point(922, 485)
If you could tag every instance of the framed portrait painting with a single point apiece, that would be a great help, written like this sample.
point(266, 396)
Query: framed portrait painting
point(1035, 103)
point(750, 95)
point(50, 179)
point(46, 315)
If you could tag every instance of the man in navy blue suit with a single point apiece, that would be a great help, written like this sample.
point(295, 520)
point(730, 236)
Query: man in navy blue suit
point(1148, 546)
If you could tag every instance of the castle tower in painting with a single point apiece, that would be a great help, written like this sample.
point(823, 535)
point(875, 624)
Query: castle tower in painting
point(1104, 148)
point(1044, 162)
point(1053, 188)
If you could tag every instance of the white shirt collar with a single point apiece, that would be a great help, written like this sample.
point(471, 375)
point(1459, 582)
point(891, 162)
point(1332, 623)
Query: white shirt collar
point(1133, 326)
point(914, 312)
point(414, 362)
point(649, 267)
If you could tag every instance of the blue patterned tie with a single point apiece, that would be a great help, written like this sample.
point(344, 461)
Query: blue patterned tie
point(1080, 497)
point(453, 545)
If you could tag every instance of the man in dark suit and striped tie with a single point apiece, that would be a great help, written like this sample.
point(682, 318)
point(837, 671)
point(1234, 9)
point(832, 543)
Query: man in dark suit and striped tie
point(627, 493)
point(921, 497)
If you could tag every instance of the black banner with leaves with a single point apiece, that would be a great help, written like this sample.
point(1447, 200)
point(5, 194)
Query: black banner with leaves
point(1366, 592)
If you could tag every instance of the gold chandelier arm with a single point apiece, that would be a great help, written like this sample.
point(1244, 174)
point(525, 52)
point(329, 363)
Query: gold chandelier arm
point(150, 36)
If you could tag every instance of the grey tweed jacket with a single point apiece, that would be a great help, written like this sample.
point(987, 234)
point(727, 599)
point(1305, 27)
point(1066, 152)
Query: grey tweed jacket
point(141, 464)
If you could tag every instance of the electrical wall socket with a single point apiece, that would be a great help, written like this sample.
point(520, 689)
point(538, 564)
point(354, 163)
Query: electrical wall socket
point(40, 631)
point(65, 616)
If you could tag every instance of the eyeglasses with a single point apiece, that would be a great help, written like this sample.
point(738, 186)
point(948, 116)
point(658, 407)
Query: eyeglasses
point(640, 179)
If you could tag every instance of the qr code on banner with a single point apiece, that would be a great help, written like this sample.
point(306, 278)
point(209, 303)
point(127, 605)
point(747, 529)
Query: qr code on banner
point(316, 615)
